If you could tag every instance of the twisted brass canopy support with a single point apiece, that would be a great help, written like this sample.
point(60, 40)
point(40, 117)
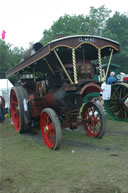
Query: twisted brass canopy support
point(100, 65)
point(74, 66)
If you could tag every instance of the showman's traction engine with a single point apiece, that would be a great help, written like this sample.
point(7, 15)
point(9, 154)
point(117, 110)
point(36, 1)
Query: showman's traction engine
point(54, 80)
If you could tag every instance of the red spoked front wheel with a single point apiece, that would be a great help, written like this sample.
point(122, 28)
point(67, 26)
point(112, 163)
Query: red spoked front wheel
point(94, 120)
point(50, 128)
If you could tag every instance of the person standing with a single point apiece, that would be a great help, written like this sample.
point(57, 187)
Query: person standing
point(2, 105)
point(111, 79)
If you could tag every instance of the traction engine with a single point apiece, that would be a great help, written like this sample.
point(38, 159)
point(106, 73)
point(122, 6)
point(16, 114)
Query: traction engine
point(54, 79)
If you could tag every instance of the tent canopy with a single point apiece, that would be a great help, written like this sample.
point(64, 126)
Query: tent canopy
point(5, 87)
point(5, 84)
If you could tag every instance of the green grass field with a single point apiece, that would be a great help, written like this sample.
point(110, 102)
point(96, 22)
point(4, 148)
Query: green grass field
point(81, 165)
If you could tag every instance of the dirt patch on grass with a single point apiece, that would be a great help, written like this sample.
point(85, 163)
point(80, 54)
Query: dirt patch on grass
point(81, 165)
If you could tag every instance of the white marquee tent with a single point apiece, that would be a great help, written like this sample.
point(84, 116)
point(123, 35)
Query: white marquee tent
point(5, 87)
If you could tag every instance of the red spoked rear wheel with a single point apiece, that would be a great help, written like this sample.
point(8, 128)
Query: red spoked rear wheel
point(16, 110)
point(50, 128)
point(94, 120)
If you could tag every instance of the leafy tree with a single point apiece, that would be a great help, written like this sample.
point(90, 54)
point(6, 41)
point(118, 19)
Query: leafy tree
point(97, 20)
point(8, 57)
point(65, 25)
point(117, 29)
point(5, 62)
point(93, 23)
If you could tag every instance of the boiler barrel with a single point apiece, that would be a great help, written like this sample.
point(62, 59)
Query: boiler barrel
point(64, 99)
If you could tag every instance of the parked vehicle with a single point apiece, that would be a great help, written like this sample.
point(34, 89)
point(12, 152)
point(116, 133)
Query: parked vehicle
point(54, 80)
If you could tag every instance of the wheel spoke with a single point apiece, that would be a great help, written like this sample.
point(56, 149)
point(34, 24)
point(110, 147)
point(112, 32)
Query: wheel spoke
point(114, 107)
point(124, 98)
point(51, 129)
point(117, 113)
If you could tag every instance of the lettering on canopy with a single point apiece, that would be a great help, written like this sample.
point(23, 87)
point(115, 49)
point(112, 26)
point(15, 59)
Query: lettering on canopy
point(86, 39)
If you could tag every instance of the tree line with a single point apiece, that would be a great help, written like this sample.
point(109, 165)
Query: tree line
point(98, 22)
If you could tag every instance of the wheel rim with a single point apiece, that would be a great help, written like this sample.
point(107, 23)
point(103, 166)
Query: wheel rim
point(116, 107)
point(15, 110)
point(47, 130)
point(92, 119)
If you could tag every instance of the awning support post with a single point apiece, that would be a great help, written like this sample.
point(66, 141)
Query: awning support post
point(100, 65)
point(74, 66)
point(63, 67)
point(108, 65)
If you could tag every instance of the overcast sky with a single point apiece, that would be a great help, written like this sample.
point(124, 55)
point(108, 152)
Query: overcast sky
point(25, 20)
